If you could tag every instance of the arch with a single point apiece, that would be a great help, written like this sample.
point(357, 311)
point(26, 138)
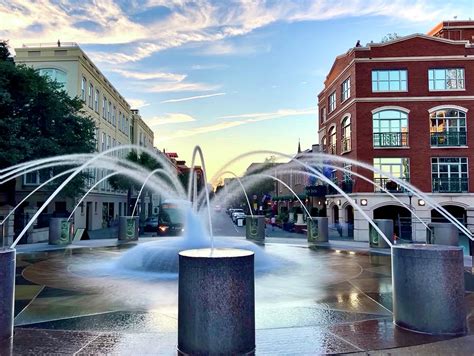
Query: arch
point(401, 217)
point(456, 210)
point(335, 214)
point(346, 133)
point(447, 106)
point(345, 116)
point(397, 108)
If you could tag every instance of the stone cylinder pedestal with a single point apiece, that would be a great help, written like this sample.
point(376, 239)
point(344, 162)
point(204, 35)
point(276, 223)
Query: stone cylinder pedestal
point(60, 231)
point(7, 292)
point(216, 302)
point(317, 229)
point(428, 288)
point(128, 228)
point(375, 239)
point(255, 227)
point(442, 234)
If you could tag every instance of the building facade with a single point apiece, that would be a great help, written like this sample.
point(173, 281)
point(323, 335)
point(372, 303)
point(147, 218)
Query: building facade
point(69, 65)
point(403, 106)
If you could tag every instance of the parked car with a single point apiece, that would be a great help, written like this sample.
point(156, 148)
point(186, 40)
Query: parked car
point(151, 224)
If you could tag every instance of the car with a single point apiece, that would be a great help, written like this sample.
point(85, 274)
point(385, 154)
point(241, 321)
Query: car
point(237, 213)
point(170, 220)
point(151, 224)
point(238, 216)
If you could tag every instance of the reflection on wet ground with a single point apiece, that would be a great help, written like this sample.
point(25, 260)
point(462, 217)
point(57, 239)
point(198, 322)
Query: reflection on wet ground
point(317, 301)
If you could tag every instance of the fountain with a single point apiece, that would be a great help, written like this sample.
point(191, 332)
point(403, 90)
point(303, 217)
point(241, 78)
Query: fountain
point(199, 253)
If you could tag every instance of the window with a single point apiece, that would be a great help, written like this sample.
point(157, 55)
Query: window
point(323, 114)
point(346, 184)
point(104, 107)
point(332, 140)
point(113, 115)
point(96, 139)
point(449, 175)
point(54, 74)
point(332, 102)
point(119, 123)
point(37, 177)
point(96, 101)
point(446, 79)
point(389, 80)
point(109, 112)
point(324, 143)
point(448, 128)
point(83, 88)
point(390, 128)
point(103, 142)
point(91, 95)
point(346, 89)
point(396, 167)
point(346, 134)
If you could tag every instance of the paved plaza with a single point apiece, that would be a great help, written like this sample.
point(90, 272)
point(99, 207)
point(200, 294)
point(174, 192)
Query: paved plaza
point(338, 300)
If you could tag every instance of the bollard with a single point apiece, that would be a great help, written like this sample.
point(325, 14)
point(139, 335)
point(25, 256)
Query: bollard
point(386, 226)
point(128, 228)
point(216, 302)
point(255, 227)
point(317, 229)
point(7, 292)
point(442, 234)
point(428, 288)
point(60, 231)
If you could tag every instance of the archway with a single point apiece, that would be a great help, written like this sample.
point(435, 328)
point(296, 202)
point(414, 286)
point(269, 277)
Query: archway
point(457, 211)
point(401, 216)
point(335, 214)
point(350, 220)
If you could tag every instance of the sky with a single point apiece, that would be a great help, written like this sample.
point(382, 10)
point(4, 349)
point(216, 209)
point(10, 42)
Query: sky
point(231, 76)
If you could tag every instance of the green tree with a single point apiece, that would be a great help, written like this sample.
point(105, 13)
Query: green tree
point(121, 182)
point(38, 119)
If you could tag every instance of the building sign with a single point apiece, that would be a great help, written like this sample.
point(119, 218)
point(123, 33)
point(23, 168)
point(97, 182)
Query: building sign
point(316, 191)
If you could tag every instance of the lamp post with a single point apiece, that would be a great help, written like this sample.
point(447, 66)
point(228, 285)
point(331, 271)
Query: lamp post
point(410, 196)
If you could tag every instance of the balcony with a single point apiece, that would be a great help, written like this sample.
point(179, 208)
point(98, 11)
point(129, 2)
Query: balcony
point(345, 185)
point(450, 185)
point(451, 138)
point(346, 144)
point(390, 185)
point(391, 139)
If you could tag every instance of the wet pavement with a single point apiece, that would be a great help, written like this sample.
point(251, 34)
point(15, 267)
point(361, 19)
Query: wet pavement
point(316, 301)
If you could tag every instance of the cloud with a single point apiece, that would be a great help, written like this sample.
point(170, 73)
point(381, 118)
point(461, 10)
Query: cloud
point(186, 22)
point(179, 86)
point(137, 103)
point(261, 116)
point(169, 118)
point(246, 119)
point(150, 75)
point(192, 98)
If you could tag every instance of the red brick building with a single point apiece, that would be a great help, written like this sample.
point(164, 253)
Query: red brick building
point(404, 106)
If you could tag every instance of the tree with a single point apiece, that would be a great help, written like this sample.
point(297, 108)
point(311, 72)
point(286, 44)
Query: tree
point(121, 182)
point(38, 119)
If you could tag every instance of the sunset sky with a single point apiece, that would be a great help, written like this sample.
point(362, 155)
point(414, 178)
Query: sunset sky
point(230, 76)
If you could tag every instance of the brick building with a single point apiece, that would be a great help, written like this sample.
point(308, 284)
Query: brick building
point(403, 106)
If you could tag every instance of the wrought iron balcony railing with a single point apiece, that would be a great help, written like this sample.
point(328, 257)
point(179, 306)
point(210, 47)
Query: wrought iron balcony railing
point(450, 185)
point(391, 139)
point(390, 185)
point(451, 138)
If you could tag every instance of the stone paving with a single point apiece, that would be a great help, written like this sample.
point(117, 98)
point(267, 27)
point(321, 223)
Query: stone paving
point(335, 300)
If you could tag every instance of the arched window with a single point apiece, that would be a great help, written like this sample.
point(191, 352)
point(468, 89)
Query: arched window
point(324, 144)
point(54, 74)
point(448, 127)
point(346, 134)
point(332, 140)
point(390, 128)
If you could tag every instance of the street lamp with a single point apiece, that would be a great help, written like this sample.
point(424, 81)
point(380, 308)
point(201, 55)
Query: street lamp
point(410, 196)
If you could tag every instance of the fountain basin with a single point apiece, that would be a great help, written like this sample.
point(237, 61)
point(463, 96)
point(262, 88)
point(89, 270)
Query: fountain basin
point(7, 292)
point(216, 302)
point(428, 288)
